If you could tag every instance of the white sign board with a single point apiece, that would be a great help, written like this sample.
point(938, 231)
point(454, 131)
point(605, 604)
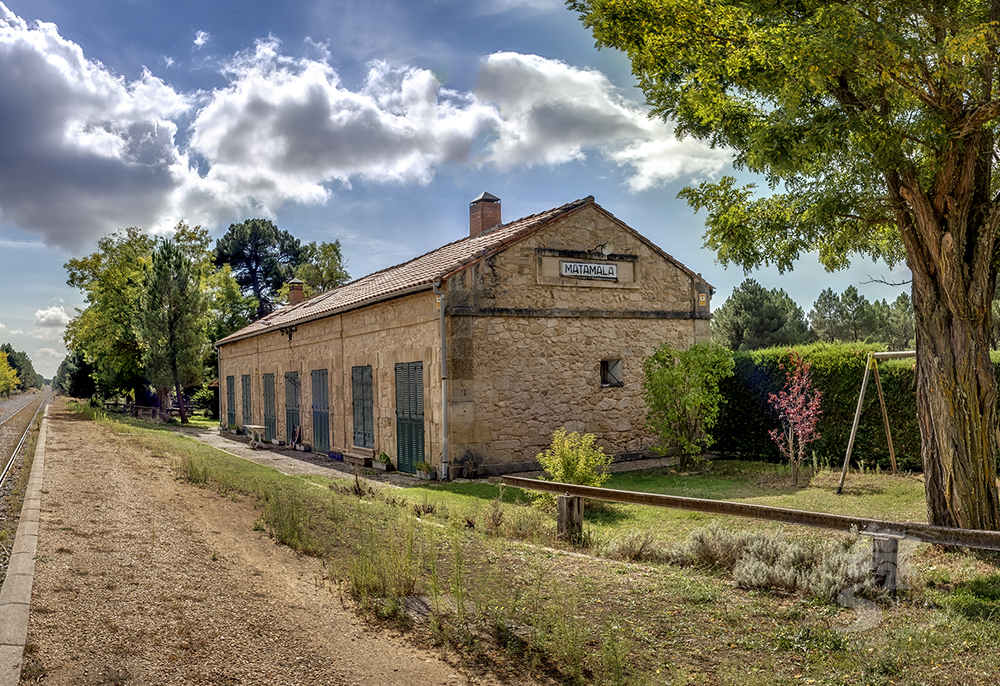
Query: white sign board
point(589, 270)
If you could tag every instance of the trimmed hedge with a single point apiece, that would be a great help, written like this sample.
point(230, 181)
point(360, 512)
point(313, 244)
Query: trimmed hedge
point(837, 371)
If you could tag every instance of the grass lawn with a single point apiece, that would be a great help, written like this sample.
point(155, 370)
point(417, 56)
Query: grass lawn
point(506, 593)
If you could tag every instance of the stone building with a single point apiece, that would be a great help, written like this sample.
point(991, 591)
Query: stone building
point(542, 323)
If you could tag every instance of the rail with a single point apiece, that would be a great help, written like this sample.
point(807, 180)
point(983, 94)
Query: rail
point(24, 436)
point(887, 534)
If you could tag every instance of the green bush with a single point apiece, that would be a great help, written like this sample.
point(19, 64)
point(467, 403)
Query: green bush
point(573, 459)
point(681, 389)
point(837, 371)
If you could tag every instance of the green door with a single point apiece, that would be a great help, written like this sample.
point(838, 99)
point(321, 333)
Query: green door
point(230, 401)
point(409, 415)
point(247, 405)
point(293, 433)
point(270, 419)
point(364, 415)
point(321, 411)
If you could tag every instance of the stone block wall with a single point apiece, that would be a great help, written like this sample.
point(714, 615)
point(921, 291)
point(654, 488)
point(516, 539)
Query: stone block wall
point(526, 344)
point(401, 330)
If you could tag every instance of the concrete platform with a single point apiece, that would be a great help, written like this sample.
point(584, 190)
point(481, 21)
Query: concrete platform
point(15, 595)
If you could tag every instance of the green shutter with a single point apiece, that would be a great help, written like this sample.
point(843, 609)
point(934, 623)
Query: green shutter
point(364, 415)
point(409, 415)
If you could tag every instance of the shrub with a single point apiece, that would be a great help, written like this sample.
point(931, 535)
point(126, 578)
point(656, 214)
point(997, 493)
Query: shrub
point(798, 407)
point(573, 459)
point(769, 561)
point(681, 388)
point(746, 417)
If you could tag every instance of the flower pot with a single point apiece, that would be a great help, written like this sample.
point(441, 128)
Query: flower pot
point(427, 476)
point(382, 466)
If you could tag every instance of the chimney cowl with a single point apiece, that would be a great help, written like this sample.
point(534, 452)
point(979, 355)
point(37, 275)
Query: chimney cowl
point(484, 213)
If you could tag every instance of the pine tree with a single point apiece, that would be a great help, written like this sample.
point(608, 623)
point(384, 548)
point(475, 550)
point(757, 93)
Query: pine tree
point(172, 322)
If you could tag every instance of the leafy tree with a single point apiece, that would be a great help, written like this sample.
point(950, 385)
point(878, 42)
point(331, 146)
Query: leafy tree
point(683, 398)
point(8, 377)
point(322, 269)
point(172, 322)
point(262, 259)
point(858, 319)
point(850, 318)
point(105, 331)
point(898, 327)
point(824, 318)
point(74, 377)
point(798, 409)
point(754, 317)
point(22, 366)
point(875, 125)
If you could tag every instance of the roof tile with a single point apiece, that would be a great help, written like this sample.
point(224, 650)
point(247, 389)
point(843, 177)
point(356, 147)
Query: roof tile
point(417, 274)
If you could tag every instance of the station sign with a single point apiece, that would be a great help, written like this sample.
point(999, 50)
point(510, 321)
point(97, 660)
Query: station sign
point(589, 270)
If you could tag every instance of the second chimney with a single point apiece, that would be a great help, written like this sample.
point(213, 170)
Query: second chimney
point(484, 213)
point(295, 291)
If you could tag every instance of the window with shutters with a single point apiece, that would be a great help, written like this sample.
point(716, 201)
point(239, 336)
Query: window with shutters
point(611, 373)
point(364, 415)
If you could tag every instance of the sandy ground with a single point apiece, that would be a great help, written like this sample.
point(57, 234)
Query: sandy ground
point(143, 579)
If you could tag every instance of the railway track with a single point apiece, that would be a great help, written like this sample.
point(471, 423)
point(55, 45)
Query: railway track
point(15, 425)
point(16, 420)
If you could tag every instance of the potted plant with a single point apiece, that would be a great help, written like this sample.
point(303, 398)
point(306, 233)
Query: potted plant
point(425, 471)
point(382, 462)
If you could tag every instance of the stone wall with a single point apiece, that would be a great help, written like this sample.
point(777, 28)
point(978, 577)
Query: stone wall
point(401, 330)
point(525, 348)
point(526, 345)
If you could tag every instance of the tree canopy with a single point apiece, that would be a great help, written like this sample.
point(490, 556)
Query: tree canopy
point(322, 269)
point(873, 126)
point(105, 331)
point(8, 377)
point(172, 321)
point(754, 317)
point(19, 361)
point(262, 258)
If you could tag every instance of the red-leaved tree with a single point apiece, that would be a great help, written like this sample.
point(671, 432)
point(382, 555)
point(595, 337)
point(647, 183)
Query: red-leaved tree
point(798, 408)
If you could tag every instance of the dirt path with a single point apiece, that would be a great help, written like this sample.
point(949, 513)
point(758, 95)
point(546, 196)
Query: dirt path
point(142, 579)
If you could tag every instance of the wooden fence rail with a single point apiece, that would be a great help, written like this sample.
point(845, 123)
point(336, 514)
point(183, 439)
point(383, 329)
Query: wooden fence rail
point(887, 534)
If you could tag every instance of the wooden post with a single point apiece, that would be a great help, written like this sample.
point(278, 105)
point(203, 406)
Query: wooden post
point(885, 561)
point(885, 417)
point(569, 524)
point(854, 427)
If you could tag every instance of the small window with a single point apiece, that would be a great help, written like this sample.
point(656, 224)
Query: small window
point(611, 373)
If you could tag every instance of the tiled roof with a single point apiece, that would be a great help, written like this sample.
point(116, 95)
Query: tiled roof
point(417, 274)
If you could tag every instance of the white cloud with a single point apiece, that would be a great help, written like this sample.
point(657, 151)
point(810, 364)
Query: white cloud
point(2, 327)
point(50, 355)
point(554, 113)
point(202, 37)
point(284, 128)
point(84, 150)
point(50, 322)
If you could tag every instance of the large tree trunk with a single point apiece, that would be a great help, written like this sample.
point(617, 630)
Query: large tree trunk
point(949, 228)
point(956, 408)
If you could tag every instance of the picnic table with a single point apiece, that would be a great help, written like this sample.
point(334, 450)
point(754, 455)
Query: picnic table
point(256, 434)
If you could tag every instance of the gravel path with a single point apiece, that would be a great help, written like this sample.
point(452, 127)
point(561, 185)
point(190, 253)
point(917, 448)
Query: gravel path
point(143, 579)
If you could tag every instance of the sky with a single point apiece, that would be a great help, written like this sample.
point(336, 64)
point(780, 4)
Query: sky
point(372, 122)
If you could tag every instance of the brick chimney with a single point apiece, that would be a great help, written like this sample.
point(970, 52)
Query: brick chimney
point(484, 213)
point(295, 291)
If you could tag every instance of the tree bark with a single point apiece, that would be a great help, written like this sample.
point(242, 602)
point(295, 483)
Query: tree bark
point(950, 230)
